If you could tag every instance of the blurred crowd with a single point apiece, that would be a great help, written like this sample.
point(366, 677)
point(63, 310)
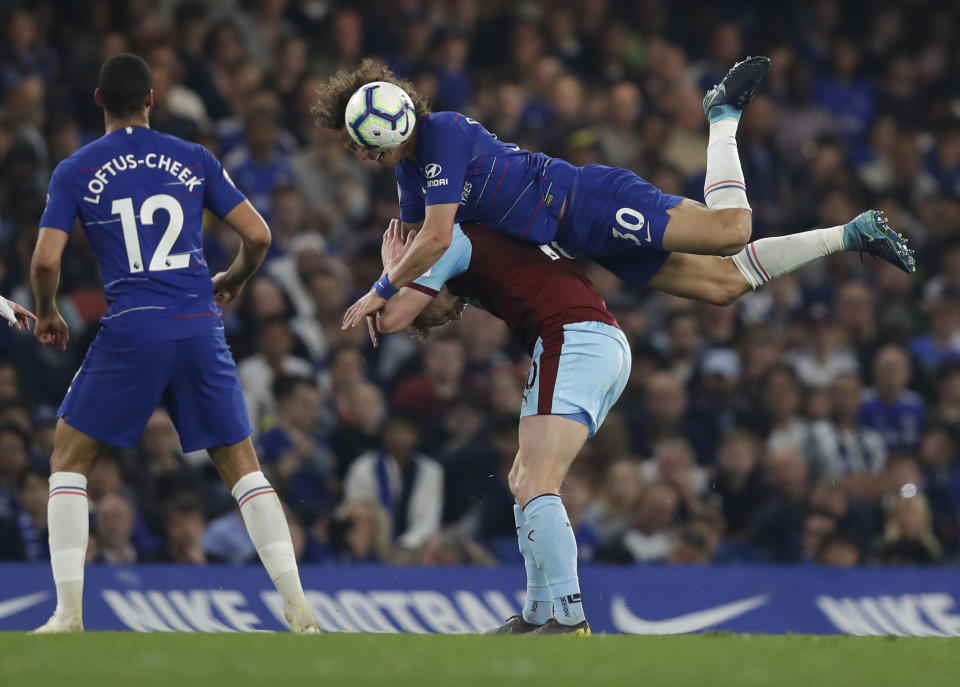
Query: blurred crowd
point(817, 420)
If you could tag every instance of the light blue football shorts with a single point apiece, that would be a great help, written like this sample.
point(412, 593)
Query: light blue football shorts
point(578, 372)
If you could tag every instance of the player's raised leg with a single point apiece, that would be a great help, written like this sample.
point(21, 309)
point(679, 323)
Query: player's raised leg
point(724, 226)
point(723, 281)
point(267, 526)
point(68, 523)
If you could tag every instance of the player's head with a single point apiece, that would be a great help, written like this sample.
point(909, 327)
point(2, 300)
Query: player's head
point(444, 308)
point(125, 86)
point(334, 95)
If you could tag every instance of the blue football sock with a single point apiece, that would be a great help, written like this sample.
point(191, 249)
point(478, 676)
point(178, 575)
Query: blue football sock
point(555, 550)
point(718, 112)
point(538, 608)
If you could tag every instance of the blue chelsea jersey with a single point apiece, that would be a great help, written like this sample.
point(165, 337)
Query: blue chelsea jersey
point(495, 184)
point(139, 196)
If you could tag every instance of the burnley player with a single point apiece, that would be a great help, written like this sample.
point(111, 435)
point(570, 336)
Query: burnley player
point(139, 196)
point(449, 168)
point(17, 316)
point(580, 365)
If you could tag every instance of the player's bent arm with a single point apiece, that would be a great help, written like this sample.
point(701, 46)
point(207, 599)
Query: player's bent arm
point(428, 247)
point(45, 269)
point(255, 235)
point(401, 310)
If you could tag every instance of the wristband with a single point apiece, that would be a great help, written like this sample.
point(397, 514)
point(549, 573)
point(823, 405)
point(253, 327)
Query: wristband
point(384, 288)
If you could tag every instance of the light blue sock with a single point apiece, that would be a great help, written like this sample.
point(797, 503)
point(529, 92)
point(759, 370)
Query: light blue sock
point(555, 550)
point(538, 608)
point(718, 112)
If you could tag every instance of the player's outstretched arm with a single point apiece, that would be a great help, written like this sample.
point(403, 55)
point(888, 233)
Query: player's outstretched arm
point(255, 237)
point(50, 330)
point(429, 245)
point(401, 310)
point(18, 316)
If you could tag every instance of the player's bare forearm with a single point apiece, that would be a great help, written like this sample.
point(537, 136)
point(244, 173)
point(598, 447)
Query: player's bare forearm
point(431, 241)
point(255, 242)
point(255, 236)
point(50, 329)
point(401, 310)
point(248, 261)
point(45, 270)
point(427, 248)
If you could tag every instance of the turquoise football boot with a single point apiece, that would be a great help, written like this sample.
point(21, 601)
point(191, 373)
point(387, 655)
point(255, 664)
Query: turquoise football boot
point(871, 233)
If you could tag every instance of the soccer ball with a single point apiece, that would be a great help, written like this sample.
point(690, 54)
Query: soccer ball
point(380, 116)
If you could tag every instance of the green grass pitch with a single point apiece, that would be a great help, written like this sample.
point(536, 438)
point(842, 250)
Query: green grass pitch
point(278, 660)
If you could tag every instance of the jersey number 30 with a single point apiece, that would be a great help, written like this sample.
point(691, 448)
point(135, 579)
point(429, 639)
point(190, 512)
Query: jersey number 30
point(162, 259)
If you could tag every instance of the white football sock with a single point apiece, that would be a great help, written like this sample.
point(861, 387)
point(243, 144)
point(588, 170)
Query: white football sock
point(768, 259)
point(723, 187)
point(68, 523)
point(270, 533)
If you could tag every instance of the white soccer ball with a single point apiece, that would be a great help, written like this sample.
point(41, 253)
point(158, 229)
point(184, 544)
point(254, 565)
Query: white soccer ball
point(380, 116)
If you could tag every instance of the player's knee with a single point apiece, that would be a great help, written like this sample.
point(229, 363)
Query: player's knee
point(726, 295)
point(514, 482)
point(733, 233)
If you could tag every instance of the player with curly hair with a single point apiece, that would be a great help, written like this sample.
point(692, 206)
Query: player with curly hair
point(450, 169)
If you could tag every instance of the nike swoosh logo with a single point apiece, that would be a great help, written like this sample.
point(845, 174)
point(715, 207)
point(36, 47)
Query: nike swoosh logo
point(21, 603)
point(625, 621)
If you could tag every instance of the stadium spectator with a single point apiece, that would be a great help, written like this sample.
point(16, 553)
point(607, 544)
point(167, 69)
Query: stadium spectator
point(113, 531)
point(908, 532)
point(611, 514)
point(777, 524)
point(719, 406)
point(674, 464)
point(294, 454)
point(839, 551)
point(431, 393)
point(889, 407)
point(407, 484)
point(843, 447)
point(664, 414)
point(785, 427)
point(653, 534)
point(737, 483)
point(184, 529)
point(360, 533)
point(14, 458)
point(275, 355)
point(360, 411)
point(32, 520)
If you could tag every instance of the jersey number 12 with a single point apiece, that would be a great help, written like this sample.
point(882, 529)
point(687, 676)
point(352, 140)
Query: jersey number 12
point(162, 259)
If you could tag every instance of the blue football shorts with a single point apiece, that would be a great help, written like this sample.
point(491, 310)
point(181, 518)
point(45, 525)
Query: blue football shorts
point(578, 372)
point(617, 219)
point(119, 386)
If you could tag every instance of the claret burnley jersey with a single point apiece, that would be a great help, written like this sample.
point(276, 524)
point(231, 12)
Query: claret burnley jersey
point(496, 184)
point(535, 290)
point(139, 196)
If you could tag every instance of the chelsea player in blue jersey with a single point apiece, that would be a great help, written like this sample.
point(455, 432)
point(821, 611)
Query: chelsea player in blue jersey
point(139, 196)
point(450, 169)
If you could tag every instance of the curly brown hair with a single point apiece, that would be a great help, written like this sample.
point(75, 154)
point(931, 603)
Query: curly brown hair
point(330, 103)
